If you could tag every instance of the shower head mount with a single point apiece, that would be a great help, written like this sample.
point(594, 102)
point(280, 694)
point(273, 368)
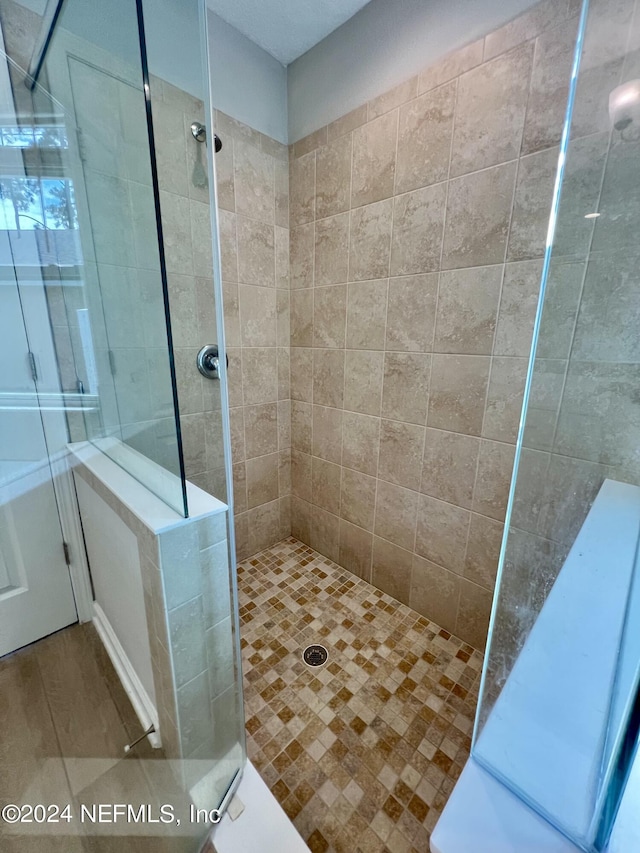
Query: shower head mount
point(199, 133)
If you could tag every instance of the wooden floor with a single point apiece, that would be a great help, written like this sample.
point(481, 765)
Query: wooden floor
point(64, 722)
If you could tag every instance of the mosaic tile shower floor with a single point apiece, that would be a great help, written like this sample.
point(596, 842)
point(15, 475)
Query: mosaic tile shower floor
point(362, 752)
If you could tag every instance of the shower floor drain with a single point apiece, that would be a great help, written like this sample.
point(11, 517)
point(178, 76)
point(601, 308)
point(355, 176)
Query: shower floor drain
point(315, 655)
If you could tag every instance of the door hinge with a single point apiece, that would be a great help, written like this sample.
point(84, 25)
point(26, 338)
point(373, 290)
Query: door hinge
point(112, 363)
point(82, 148)
point(67, 553)
point(32, 365)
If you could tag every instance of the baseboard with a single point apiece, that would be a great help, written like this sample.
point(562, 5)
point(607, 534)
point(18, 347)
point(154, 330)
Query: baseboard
point(142, 704)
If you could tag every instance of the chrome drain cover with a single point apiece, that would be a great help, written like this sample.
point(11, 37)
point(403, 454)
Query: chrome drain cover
point(315, 655)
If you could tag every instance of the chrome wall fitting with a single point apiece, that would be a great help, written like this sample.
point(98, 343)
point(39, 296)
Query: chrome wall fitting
point(198, 131)
point(208, 361)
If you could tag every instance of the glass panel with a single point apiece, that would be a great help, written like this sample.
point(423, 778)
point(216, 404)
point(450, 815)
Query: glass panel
point(91, 193)
point(561, 673)
point(87, 215)
point(179, 75)
point(36, 597)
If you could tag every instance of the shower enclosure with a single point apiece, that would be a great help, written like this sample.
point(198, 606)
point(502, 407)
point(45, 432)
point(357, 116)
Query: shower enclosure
point(558, 718)
point(108, 259)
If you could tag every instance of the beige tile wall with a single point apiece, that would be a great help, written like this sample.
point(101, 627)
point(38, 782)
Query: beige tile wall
point(184, 205)
point(418, 224)
point(253, 200)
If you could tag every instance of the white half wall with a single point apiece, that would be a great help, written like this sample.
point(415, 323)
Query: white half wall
point(112, 549)
point(387, 42)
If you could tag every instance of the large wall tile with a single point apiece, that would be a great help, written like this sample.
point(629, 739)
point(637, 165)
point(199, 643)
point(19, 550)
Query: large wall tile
point(262, 479)
point(256, 252)
point(561, 303)
point(401, 447)
point(411, 313)
point(333, 177)
point(458, 391)
point(405, 390)
point(329, 315)
point(228, 245)
point(356, 549)
point(328, 377)
point(518, 304)
point(327, 433)
point(424, 139)
point(301, 426)
point(493, 479)
point(435, 592)
point(374, 159)
point(332, 250)
point(483, 550)
point(467, 309)
point(441, 534)
point(478, 214)
point(370, 241)
point(532, 205)
point(257, 316)
point(391, 569)
point(302, 374)
point(363, 381)
point(367, 314)
point(302, 189)
point(301, 475)
point(358, 498)
point(301, 252)
point(261, 429)
point(581, 187)
point(396, 510)
point(259, 375)
point(504, 399)
point(549, 87)
point(619, 205)
point(449, 466)
point(325, 533)
point(254, 182)
point(282, 257)
point(490, 112)
point(361, 442)
point(325, 485)
point(418, 222)
point(474, 611)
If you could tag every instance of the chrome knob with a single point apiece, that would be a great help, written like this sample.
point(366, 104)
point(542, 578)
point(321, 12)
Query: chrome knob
point(208, 361)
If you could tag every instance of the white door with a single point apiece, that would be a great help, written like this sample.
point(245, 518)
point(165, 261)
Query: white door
point(36, 597)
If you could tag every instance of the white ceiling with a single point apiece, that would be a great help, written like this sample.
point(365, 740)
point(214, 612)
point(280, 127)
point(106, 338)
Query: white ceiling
point(286, 28)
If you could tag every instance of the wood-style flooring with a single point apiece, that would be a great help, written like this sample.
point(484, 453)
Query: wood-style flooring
point(64, 721)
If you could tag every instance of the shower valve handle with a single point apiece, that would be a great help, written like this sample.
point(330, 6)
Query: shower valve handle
point(208, 361)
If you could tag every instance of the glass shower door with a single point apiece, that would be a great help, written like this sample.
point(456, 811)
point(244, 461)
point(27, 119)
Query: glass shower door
point(559, 712)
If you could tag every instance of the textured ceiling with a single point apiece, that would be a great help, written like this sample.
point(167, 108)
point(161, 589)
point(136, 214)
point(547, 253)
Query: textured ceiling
point(286, 28)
